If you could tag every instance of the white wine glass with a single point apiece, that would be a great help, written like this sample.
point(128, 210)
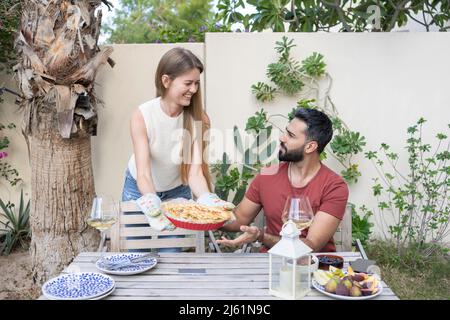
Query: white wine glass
point(298, 209)
point(104, 214)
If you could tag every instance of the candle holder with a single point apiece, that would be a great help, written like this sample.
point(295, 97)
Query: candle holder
point(290, 265)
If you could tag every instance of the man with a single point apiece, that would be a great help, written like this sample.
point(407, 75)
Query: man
point(300, 172)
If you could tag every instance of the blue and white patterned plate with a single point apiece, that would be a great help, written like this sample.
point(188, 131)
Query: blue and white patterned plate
point(143, 265)
point(78, 286)
point(104, 295)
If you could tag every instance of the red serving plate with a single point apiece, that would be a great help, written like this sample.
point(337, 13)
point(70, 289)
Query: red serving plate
point(194, 226)
point(181, 223)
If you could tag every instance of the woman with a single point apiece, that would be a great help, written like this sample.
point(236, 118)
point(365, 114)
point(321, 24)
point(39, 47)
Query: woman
point(167, 134)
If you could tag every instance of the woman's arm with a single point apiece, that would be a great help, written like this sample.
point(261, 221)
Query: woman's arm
point(196, 179)
point(142, 153)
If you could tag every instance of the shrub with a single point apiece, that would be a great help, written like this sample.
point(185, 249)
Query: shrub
point(418, 198)
point(17, 225)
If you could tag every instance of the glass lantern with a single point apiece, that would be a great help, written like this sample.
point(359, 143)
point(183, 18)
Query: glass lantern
point(290, 265)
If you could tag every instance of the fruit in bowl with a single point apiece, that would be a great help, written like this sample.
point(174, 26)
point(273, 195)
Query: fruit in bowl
point(352, 284)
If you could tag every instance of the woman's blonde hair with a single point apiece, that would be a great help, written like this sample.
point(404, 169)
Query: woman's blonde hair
point(174, 63)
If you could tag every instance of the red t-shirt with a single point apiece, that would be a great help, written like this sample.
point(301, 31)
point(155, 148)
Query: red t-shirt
point(326, 191)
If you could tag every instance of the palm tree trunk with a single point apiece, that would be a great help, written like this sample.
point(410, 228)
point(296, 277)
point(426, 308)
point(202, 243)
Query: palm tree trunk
point(62, 188)
point(59, 59)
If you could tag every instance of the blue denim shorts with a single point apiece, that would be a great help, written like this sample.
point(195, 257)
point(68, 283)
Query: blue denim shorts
point(131, 192)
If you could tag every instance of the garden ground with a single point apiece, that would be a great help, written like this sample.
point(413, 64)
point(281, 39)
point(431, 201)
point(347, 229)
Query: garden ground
point(15, 277)
point(413, 277)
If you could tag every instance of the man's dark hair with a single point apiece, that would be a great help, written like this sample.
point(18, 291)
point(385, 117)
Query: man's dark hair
point(319, 127)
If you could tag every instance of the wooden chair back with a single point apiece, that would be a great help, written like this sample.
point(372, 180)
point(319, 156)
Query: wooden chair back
point(123, 237)
point(343, 235)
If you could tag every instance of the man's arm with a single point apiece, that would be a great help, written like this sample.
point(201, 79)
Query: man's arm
point(245, 213)
point(321, 230)
point(268, 240)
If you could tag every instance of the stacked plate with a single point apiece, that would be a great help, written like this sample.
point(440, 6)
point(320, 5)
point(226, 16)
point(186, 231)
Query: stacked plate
point(122, 264)
point(79, 286)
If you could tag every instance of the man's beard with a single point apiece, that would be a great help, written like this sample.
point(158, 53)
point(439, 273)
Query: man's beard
point(291, 156)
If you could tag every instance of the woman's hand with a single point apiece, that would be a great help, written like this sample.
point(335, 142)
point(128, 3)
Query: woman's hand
point(212, 199)
point(150, 204)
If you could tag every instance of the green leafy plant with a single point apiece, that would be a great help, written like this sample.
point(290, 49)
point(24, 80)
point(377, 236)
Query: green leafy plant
point(170, 21)
point(9, 22)
point(234, 177)
point(314, 66)
point(347, 143)
point(16, 225)
point(361, 226)
point(176, 34)
point(327, 15)
point(263, 91)
point(257, 122)
point(417, 199)
point(286, 73)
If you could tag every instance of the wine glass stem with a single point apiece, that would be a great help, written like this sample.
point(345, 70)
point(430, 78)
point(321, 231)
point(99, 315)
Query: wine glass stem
point(102, 242)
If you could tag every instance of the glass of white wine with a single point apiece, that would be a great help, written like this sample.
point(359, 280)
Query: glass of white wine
point(104, 213)
point(298, 209)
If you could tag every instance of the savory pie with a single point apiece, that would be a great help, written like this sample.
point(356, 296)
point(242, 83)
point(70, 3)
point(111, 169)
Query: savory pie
point(196, 213)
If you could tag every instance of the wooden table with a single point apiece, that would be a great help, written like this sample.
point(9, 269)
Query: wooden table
point(209, 276)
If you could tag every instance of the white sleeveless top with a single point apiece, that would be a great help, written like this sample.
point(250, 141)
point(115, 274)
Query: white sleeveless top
point(165, 141)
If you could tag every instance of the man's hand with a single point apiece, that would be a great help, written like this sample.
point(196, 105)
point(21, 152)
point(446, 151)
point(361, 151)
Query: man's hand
point(250, 234)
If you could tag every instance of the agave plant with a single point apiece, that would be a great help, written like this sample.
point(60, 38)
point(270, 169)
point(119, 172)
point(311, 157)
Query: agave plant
point(16, 225)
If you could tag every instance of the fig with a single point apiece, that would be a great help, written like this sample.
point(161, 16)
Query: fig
point(366, 292)
point(342, 290)
point(331, 286)
point(346, 282)
point(355, 292)
point(358, 277)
